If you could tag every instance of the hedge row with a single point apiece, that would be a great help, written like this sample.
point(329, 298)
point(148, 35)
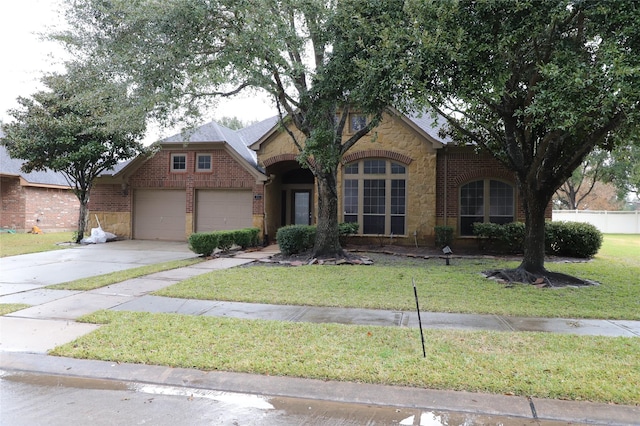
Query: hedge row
point(205, 243)
point(573, 239)
point(294, 239)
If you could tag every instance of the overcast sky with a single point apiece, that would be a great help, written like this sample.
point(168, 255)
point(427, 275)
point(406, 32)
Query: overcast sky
point(25, 57)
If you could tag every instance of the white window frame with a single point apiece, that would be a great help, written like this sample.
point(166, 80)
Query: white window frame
point(198, 168)
point(175, 155)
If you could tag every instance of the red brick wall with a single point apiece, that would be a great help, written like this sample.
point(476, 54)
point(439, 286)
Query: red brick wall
point(110, 198)
point(13, 201)
point(48, 208)
point(463, 165)
point(225, 173)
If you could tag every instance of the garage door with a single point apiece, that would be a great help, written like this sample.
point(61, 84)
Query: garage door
point(159, 214)
point(218, 210)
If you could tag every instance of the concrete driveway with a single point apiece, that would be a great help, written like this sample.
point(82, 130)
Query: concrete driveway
point(30, 271)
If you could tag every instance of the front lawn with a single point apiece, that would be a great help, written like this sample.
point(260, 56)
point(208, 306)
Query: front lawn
point(15, 244)
point(544, 365)
point(540, 365)
point(459, 287)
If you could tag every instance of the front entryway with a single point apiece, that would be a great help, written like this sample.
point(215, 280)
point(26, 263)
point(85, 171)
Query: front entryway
point(301, 203)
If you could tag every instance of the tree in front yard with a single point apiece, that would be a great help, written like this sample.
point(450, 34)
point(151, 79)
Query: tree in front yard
point(80, 125)
point(539, 85)
point(318, 60)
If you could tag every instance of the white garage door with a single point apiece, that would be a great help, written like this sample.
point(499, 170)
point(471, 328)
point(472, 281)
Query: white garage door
point(159, 214)
point(219, 210)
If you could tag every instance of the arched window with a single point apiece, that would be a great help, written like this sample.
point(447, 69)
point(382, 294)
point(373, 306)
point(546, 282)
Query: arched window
point(375, 196)
point(485, 201)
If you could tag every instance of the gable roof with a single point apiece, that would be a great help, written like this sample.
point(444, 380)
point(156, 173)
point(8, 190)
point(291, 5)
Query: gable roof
point(254, 132)
point(11, 167)
point(214, 132)
point(422, 122)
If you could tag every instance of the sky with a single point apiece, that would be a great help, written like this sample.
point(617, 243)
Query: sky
point(25, 57)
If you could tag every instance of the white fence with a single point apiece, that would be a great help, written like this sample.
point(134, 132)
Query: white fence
point(608, 222)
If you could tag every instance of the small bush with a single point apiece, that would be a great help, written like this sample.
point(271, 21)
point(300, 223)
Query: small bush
point(247, 237)
point(226, 239)
point(513, 237)
point(345, 229)
point(444, 236)
point(203, 243)
point(573, 239)
point(294, 239)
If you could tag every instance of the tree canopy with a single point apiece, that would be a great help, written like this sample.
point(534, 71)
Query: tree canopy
point(82, 124)
point(537, 84)
point(317, 59)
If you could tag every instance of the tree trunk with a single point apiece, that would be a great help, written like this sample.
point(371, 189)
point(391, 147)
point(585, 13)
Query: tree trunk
point(83, 217)
point(327, 238)
point(535, 206)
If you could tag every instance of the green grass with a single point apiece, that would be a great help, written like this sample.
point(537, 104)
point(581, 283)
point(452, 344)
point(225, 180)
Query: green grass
point(541, 365)
point(7, 308)
point(90, 283)
point(15, 244)
point(459, 287)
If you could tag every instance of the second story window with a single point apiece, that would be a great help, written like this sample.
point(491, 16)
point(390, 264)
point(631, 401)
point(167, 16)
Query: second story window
point(178, 162)
point(357, 122)
point(203, 162)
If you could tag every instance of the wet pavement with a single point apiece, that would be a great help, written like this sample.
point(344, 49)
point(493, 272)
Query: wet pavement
point(284, 400)
point(35, 400)
point(28, 334)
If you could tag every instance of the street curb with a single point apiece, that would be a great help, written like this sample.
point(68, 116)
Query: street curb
point(345, 392)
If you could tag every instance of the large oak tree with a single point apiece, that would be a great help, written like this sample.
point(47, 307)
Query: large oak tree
point(538, 84)
point(80, 125)
point(317, 59)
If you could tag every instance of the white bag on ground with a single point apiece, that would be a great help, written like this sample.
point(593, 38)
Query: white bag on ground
point(97, 236)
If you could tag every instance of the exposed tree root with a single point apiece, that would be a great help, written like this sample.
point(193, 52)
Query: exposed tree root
point(544, 279)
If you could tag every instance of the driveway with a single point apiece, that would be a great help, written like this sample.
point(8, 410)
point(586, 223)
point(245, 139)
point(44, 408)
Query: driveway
point(30, 271)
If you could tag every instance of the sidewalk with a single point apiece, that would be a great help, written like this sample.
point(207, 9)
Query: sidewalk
point(28, 334)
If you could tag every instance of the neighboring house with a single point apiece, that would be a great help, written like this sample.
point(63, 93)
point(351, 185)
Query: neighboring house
point(42, 199)
point(398, 183)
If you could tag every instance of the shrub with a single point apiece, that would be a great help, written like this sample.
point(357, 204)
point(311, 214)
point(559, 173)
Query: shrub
point(444, 236)
point(574, 239)
point(203, 243)
point(294, 239)
point(345, 229)
point(226, 239)
point(247, 237)
point(513, 237)
point(490, 236)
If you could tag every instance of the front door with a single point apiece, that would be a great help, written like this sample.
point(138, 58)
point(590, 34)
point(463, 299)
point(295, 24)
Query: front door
point(301, 203)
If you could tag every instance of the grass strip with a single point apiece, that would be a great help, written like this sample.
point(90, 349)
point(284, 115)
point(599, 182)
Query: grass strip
point(544, 365)
point(22, 243)
point(7, 308)
point(456, 288)
point(85, 284)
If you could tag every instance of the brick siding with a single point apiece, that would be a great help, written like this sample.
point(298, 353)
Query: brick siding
point(51, 209)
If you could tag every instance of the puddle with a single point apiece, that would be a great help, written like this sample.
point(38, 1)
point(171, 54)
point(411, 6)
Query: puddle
point(63, 381)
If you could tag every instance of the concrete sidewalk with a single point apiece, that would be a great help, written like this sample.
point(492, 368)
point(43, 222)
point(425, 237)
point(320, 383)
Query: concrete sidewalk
point(28, 334)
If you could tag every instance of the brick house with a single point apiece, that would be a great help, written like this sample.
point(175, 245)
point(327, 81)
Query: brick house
point(42, 199)
point(398, 183)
